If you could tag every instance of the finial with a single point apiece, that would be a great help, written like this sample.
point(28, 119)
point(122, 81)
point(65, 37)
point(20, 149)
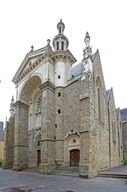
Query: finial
point(60, 27)
point(87, 39)
point(12, 103)
point(12, 99)
point(87, 51)
point(32, 48)
point(48, 42)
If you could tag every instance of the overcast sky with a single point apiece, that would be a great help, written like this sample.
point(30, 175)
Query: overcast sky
point(31, 22)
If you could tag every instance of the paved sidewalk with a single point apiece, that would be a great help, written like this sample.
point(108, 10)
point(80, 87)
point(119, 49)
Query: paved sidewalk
point(12, 181)
point(117, 172)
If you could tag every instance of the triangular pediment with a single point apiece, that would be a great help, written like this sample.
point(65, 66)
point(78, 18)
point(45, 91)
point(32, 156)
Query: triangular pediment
point(31, 60)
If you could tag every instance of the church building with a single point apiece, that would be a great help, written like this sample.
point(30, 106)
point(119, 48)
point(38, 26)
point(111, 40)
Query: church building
point(63, 115)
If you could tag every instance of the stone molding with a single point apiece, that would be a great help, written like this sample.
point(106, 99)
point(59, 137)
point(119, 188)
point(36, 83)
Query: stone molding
point(19, 145)
point(21, 104)
point(47, 139)
point(47, 85)
point(64, 56)
point(84, 96)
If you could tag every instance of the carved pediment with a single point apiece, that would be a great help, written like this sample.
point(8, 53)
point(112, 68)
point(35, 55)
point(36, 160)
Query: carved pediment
point(31, 61)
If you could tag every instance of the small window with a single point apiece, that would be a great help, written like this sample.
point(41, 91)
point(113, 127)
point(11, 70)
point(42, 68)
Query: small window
point(38, 143)
point(62, 45)
point(57, 45)
point(58, 76)
point(59, 111)
point(55, 125)
point(59, 94)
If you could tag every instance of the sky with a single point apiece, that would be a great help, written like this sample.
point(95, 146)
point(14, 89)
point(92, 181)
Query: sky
point(31, 22)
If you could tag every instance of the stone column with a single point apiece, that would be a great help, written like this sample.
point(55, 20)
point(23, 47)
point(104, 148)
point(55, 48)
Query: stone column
point(47, 129)
point(21, 136)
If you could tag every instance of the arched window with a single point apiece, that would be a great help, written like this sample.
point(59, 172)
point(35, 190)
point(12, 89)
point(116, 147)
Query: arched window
point(39, 105)
point(99, 103)
point(62, 45)
point(57, 45)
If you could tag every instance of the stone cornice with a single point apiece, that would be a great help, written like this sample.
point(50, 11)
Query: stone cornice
point(64, 55)
point(21, 104)
point(47, 85)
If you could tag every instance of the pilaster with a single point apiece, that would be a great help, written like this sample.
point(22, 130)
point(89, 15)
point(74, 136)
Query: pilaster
point(47, 129)
point(21, 136)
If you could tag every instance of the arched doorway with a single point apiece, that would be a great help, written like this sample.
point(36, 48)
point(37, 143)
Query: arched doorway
point(74, 157)
point(72, 148)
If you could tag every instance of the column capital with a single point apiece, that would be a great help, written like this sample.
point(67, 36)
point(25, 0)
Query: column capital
point(47, 85)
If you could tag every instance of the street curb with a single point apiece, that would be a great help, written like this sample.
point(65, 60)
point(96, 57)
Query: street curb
point(112, 175)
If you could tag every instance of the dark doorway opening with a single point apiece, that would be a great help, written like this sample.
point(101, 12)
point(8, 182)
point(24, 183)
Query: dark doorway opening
point(38, 157)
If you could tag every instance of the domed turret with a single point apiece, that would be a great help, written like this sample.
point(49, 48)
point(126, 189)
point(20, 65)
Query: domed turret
point(60, 41)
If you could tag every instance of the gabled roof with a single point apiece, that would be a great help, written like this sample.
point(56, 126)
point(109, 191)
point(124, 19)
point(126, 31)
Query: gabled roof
point(118, 113)
point(93, 56)
point(123, 113)
point(108, 94)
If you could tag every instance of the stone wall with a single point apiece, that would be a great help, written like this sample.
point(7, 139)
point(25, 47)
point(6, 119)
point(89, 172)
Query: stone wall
point(114, 133)
point(124, 130)
point(9, 143)
point(72, 107)
point(1, 149)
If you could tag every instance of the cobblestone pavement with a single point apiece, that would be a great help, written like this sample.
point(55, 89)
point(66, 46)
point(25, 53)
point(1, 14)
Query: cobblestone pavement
point(11, 181)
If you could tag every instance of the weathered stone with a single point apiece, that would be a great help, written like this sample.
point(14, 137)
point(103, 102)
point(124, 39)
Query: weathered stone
point(63, 115)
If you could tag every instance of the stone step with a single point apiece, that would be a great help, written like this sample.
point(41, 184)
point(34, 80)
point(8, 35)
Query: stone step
point(70, 171)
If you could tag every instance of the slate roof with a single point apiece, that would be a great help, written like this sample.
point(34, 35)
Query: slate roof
point(123, 113)
point(77, 70)
point(1, 132)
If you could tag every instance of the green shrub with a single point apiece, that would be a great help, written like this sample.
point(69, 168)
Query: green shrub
point(125, 161)
point(1, 163)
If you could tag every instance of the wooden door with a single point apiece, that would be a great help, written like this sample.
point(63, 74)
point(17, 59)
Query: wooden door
point(74, 158)
point(38, 157)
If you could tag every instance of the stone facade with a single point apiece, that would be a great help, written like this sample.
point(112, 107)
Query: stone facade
point(63, 116)
point(1, 141)
point(124, 131)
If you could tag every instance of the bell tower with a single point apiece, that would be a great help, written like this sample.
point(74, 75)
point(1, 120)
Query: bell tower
point(62, 56)
point(60, 41)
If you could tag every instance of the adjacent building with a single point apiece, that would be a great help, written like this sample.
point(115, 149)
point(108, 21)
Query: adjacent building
point(1, 141)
